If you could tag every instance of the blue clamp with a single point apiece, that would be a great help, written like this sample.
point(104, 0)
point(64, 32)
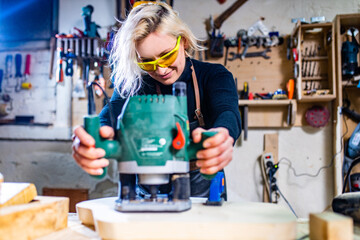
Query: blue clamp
point(216, 190)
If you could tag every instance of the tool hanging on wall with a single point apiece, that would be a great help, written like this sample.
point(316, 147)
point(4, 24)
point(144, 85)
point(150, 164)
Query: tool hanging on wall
point(6, 105)
point(59, 70)
point(9, 73)
point(317, 116)
point(90, 27)
point(1, 79)
point(227, 13)
point(79, 90)
point(349, 55)
point(26, 84)
point(18, 75)
point(247, 38)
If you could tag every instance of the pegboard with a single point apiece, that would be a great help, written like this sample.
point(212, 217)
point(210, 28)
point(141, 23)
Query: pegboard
point(41, 112)
point(263, 75)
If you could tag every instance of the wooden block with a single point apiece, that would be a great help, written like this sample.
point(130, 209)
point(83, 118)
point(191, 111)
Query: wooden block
point(330, 226)
point(16, 193)
point(232, 220)
point(38, 218)
point(271, 145)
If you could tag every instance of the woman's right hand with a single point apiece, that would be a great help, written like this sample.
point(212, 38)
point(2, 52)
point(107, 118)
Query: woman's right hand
point(89, 158)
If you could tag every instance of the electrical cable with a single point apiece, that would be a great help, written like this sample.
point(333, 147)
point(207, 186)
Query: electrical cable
point(303, 237)
point(356, 161)
point(108, 103)
point(323, 167)
point(263, 173)
point(278, 189)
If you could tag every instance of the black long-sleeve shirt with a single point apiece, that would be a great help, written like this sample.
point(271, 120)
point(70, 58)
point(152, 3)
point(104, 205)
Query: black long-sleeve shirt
point(218, 97)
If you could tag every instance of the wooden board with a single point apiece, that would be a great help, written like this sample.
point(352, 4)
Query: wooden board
point(16, 193)
point(331, 226)
point(271, 145)
point(35, 219)
point(233, 220)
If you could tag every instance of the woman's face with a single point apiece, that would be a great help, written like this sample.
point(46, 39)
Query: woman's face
point(156, 45)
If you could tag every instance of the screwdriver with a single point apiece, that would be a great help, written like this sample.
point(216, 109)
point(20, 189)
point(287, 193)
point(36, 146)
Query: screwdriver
point(1, 78)
point(59, 71)
point(8, 72)
point(18, 75)
point(26, 84)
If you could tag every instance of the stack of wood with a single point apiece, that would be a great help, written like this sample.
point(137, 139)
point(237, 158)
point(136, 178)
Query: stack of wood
point(24, 215)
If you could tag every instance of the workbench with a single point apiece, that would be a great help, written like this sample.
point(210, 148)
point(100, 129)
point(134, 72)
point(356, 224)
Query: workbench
point(233, 220)
point(78, 231)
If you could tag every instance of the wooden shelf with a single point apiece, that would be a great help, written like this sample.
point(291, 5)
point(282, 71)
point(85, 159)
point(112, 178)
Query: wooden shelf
point(314, 78)
point(349, 84)
point(316, 25)
point(266, 102)
point(319, 62)
point(317, 98)
point(318, 58)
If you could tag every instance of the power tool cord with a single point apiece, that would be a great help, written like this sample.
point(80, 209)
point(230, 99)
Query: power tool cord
point(324, 167)
point(276, 187)
point(265, 179)
point(108, 103)
point(356, 161)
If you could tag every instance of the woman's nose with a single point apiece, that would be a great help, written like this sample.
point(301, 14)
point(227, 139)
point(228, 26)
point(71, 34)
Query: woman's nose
point(160, 70)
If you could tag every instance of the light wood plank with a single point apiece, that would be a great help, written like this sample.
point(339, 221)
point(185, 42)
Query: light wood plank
point(330, 226)
point(28, 221)
point(16, 193)
point(241, 220)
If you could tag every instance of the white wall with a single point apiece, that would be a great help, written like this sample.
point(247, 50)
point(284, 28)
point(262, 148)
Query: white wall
point(49, 163)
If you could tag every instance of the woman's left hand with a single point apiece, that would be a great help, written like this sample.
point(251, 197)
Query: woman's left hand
point(217, 152)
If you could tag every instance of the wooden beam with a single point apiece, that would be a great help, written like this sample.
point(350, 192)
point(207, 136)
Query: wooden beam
point(32, 220)
point(271, 142)
point(331, 226)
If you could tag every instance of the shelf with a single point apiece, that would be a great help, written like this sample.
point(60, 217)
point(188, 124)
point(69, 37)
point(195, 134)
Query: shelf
point(269, 102)
point(314, 78)
point(318, 58)
point(349, 84)
point(317, 98)
point(316, 25)
point(318, 66)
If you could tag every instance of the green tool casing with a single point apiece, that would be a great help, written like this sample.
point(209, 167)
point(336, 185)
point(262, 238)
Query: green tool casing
point(145, 136)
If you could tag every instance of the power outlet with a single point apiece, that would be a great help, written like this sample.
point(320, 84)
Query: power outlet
point(266, 157)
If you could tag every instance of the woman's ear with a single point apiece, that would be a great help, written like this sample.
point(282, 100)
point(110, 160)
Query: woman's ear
point(186, 43)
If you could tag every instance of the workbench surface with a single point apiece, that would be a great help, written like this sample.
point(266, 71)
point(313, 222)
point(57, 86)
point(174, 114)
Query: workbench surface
point(78, 231)
point(284, 224)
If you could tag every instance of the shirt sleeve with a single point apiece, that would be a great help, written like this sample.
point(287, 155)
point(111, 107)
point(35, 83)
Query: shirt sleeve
point(221, 100)
point(112, 111)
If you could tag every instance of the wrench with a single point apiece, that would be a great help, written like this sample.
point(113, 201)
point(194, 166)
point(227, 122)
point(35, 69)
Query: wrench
point(259, 54)
point(252, 54)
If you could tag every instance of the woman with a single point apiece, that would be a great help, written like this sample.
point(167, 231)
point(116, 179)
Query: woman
point(152, 51)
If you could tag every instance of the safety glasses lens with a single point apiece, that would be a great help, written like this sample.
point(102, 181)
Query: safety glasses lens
point(164, 61)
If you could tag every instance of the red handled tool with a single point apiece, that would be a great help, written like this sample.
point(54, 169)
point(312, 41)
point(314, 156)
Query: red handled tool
point(26, 84)
point(59, 70)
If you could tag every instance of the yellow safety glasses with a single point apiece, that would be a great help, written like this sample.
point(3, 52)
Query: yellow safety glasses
point(164, 61)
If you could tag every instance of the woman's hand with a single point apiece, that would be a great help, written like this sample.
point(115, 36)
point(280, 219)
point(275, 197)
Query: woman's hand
point(89, 158)
point(218, 150)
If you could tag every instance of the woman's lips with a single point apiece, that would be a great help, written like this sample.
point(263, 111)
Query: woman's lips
point(166, 76)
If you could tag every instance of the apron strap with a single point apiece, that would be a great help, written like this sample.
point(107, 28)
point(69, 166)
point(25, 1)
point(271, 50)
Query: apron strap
point(158, 90)
point(198, 113)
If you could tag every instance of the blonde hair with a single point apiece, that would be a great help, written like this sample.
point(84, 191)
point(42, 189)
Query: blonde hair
point(141, 21)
